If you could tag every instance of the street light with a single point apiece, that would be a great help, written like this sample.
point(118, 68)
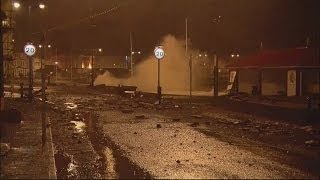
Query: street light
point(16, 5)
point(49, 46)
point(40, 46)
point(42, 6)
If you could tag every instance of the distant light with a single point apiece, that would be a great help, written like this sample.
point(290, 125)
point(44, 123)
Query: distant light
point(238, 55)
point(49, 46)
point(51, 72)
point(56, 63)
point(132, 52)
point(114, 64)
point(40, 46)
point(42, 6)
point(16, 5)
point(12, 40)
point(219, 70)
point(139, 52)
point(205, 55)
point(100, 50)
point(232, 55)
point(200, 55)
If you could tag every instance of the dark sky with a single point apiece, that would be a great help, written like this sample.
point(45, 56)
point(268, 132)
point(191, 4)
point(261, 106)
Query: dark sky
point(278, 23)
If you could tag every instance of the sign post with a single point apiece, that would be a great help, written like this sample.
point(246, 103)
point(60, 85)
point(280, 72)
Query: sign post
point(30, 50)
point(159, 54)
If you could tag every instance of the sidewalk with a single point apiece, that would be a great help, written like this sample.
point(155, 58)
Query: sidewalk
point(31, 151)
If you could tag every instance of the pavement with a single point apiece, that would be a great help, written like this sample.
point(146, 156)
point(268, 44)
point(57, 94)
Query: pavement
point(31, 154)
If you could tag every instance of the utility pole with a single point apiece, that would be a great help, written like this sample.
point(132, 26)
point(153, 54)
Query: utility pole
point(92, 75)
point(1, 62)
point(190, 88)
point(131, 55)
point(216, 76)
point(71, 65)
point(186, 37)
point(30, 89)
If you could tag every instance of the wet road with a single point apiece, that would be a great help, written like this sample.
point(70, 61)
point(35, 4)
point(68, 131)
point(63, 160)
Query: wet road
point(105, 136)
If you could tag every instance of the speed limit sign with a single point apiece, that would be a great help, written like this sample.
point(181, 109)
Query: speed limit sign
point(29, 49)
point(159, 52)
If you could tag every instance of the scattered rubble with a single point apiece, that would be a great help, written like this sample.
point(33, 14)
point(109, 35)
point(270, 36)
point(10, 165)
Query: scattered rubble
point(195, 124)
point(127, 111)
point(312, 143)
point(196, 116)
point(141, 117)
point(159, 126)
point(5, 147)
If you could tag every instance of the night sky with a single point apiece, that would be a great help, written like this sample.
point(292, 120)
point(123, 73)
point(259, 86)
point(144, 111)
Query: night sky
point(245, 23)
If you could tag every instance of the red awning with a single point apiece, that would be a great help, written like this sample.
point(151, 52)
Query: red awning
point(286, 58)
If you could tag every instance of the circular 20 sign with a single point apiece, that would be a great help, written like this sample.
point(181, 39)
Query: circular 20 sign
point(29, 49)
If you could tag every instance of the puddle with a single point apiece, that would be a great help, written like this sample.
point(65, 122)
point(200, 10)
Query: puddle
point(79, 126)
point(110, 161)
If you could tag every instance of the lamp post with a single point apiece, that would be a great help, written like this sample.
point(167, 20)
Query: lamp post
point(93, 51)
point(56, 63)
point(42, 6)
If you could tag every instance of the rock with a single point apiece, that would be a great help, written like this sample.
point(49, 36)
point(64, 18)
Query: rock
point(196, 116)
point(127, 111)
point(135, 133)
point(79, 142)
point(140, 117)
point(195, 124)
point(178, 161)
point(307, 128)
point(312, 143)
point(5, 147)
point(175, 119)
point(208, 123)
point(159, 126)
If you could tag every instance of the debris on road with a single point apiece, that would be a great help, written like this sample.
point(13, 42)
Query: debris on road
point(312, 143)
point(5, 147)
point(127, 111)
point(159, 126)
point(175, 119)
point(141, 117)
point(195, 124)
point(196, 116)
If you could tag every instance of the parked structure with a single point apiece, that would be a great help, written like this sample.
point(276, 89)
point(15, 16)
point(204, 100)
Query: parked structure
point(288, 72)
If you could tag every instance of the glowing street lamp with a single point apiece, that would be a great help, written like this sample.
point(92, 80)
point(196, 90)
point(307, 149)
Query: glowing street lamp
point(42, 6)
point(16, 5)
